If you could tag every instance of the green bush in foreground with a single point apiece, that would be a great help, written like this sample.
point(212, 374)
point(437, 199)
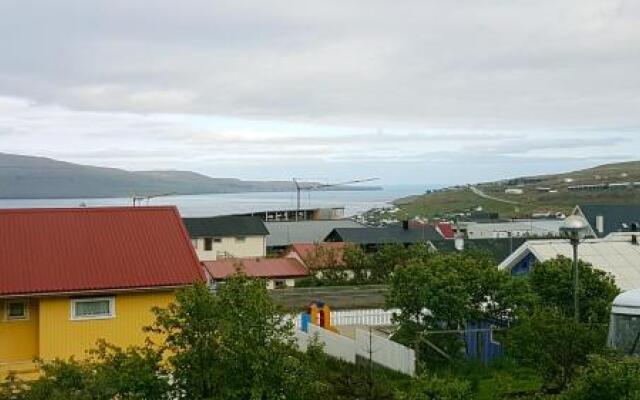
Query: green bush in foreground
point(434, 388)
point(609, 378)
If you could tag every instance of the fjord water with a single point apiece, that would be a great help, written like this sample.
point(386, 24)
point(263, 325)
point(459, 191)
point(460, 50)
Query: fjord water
point(355, 202)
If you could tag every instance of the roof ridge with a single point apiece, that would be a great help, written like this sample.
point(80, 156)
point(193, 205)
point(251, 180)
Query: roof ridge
point(34, 210)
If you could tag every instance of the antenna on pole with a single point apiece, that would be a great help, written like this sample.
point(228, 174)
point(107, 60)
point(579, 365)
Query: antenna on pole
point(314, 186)
point(137, 199)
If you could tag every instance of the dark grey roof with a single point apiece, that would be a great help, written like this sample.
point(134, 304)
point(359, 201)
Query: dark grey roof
point(613, 215)
point(384, 235)
point(228, 225)
point(286, 233)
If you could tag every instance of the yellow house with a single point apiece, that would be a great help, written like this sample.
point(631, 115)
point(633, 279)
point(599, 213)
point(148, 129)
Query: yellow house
point(69, 277)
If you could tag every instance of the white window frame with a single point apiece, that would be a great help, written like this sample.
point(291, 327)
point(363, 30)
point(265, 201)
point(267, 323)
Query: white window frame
point(25, 317)
point(112, 308)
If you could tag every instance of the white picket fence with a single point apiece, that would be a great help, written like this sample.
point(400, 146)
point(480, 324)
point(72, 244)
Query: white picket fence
point(366, 345)
point(368, 317)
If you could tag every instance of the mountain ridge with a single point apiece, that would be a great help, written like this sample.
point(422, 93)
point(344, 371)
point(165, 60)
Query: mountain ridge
point(35, 177)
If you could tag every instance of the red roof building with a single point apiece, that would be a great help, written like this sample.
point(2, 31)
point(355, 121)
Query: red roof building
point(446, 230)
point(318, 255)
point(267, 268)
point(54, 251)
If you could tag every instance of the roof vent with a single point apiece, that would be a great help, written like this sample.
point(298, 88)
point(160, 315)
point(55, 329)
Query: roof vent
point(635, 226)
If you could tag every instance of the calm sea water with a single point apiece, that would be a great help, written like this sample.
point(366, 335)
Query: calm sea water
point(220, 204)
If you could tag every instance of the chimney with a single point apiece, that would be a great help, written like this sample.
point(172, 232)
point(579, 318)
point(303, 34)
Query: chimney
point(634, 240)
point(405, 224)
point(458, 243)
point(634, 230)
point(600, 224)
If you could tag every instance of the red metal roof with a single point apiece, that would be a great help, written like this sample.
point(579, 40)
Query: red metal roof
point(446, 230)
point(256, 267)
point(309, 251)
point(85, 249)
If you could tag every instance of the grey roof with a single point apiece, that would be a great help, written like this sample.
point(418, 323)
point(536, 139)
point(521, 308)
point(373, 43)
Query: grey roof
point(384, 235)
point(286, 233)
point(614, 215)
point(618, 256)
point(533, 227)
point(227, 225)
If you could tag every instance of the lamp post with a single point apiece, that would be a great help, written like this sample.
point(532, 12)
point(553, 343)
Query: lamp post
point(575, 228)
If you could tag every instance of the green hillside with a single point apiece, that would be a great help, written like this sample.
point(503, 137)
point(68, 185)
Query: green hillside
point(611, 183)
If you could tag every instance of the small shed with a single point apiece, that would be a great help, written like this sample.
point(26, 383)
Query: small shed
point(624, 328)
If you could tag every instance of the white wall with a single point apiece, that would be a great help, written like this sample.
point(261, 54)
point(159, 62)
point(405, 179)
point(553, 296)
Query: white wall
point(271, 283)
point(251, 246)
point(382, 351)
point(385, 352)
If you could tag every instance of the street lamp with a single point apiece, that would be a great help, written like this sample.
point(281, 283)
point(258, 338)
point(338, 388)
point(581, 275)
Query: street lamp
point(575, 229)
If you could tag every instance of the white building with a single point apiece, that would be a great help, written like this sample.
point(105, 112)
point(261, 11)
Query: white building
point(227, 237)
point(617, 255)
point(535, 228)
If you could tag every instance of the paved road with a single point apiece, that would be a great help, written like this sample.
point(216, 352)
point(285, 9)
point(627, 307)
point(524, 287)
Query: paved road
point(486, 196)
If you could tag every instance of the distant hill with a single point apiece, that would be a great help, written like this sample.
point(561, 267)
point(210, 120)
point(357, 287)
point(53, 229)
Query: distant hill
point(27, 177)
point(617, 183)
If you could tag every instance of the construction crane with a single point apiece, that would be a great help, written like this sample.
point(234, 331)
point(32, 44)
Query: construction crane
point(138, 199)
point(300, 187)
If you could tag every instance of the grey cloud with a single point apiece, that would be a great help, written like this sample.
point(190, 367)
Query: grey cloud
point(457, 63)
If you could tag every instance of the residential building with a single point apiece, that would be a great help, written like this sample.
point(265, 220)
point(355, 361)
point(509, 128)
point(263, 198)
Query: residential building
point(284, 234)
point(371, 238)
point(324, 253)
point(320, 257)
point(279, 273)
point(70, 277)
point(531, 228)
point(618, 255)
point(604, 219)
point(229, 236)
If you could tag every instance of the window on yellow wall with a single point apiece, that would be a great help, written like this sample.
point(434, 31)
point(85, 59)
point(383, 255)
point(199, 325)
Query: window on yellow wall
point(241, 239)
point(93, 308)
point(16, 310)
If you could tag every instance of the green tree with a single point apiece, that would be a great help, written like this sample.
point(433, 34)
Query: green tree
point(358, 261)
point(392, 256)
point(442, 292)
point(552, 282)
point(234, 344)
point(610, 378)
point(554, 345)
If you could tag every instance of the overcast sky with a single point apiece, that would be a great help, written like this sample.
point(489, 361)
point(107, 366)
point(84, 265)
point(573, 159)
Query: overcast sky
point(425, 91)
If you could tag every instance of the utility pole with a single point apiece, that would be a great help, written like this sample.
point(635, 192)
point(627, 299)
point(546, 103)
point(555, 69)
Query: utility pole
point(300, 188)
point(370, 363)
